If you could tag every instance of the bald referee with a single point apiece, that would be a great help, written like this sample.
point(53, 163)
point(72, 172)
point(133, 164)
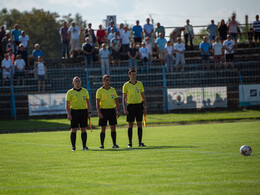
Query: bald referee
point(77, 106)
point(108, 110)
point(134, 105)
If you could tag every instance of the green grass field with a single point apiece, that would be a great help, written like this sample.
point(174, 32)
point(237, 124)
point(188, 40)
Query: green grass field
point(185, 159)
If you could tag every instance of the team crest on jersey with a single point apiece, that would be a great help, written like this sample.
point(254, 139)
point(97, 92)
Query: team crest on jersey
point(84, 97)
point(112, 96)
point(137, 90)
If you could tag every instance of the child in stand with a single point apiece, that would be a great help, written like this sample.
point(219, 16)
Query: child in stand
point(41, 73)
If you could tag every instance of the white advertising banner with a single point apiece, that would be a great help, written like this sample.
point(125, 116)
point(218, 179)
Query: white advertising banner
point(192, 98)
point(249, 95)
point(46, 104)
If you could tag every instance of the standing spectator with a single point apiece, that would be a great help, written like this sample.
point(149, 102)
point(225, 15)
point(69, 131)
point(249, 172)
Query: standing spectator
point(232, 28)
point(145, 57)
point(250, 36)
point(24, 55)
point(16, 32)
point(148, 30)
point(110, 37)
point(159, 29)
point(6, 67)
point(188, 34)
point(24, 39)
point(217, 48)
point(205, 50)
point(2, 33)
point(41, 74)
point(19, 69)
point(212, 29)
point(169, 56)
point(256, 26)
point(104, 58)
point(2, 52)
point(179, 49)
point(74, 34)
point(161, 42)
point(112, 25)
point(101, 33)
point(120, 31)
point(78, 111)
point(11, 45)
point(229, 51)
point(108, 110)
point(65, 40)
point(134, 105)
point(148, 44)
point(175, 34)
point(88, 49)
point(11, 55)
point(137, 31)
point(132, 55)
point(89, 32)
point(35, 54)
point(222, 30)
point(116, 46)
point(5, 41)
point(125, 41)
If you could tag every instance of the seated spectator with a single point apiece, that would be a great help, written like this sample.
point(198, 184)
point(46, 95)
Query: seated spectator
point(161, 42)
point(16, 32)
point(101, 36)
point(11, 55)
point(137, 31)
point(11, 45)
point(205, 51)
point(217, 48)
point(37, 52)
point(24, 39)
point(179, 49)
point(212, 29)
point(74, 34)
point(104, 58)
point(24, 55)
point(5, 41)
point(144, 57)
point(41, 74)
point(6, 67)
point(169, 57)
point(228, 46)
point(159, 29)
point(89, 32)
point(116, 46)
point(112, 25)
point(250, 35)
point(88, 49)
point(232, 28)
point(125, 42)
point(175, 34)
point(148, 44)
point(19, 69)
point(132, 55)
point(222, 30)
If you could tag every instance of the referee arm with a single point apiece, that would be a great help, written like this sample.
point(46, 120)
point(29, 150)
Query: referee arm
point(117, 108)
point(144, 102)
point(124, 100)
point(68, 110)
point(98, 108)
point(89, 108)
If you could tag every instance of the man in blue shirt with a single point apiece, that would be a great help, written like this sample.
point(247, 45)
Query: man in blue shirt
point(137, 31)
point(16, 32)
point(212, 29)
point(111, 26)
point(161, 42)
point(205, 50)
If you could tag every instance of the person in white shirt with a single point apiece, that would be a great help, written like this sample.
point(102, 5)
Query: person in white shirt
point(125, 41)
point(24, 39)
point(110, 37)
point(41, 73)
point(148, 44)
point(179, 49)
point(104, 58)
point(145, 57)
point(74, 34)
point(217, 48)
point(169, 56)
point(6, 67)
point(19, 68)
point(148, 30)
point(229, 51)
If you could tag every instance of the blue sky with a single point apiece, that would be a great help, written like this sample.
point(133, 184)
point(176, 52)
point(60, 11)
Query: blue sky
point(167, 12)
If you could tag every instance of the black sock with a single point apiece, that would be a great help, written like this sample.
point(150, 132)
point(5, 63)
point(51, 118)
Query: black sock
point(140, 134)
point(130, 135)
point(73, 138)
point(102, 138)
point(113, 135)
point(84, 139)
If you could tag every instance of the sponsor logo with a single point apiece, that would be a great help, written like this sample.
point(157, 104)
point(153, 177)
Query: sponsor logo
point(253, 92)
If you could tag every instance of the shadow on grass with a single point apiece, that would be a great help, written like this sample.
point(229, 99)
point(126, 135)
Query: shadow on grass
point(142, 148)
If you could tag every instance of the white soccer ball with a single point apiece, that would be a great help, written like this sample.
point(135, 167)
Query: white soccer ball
point(245, 150)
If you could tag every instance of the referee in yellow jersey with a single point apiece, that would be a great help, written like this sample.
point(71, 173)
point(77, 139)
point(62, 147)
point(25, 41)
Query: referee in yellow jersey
point(78, 111)
point(134, 105)
point(108, 110)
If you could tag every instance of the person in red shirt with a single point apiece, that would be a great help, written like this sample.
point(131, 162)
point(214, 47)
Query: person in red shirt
point(100, 36)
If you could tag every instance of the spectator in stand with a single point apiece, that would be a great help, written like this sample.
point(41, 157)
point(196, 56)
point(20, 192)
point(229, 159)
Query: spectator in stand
point(169, 56)
point(137, 31)
point(175, 34)
point(24, 55)
point(65, 40)
point(132, 55)
point(19, 69)
point(88, 49)
point(112, 25)
point(89, 32)
point(120, 31)
point(222, 30)
point(256, 26)
point(125, 42)
point(11, 45)
point(217, 48)
point(250, 35)
point(6, 67)
point(74, 34)
point(232, 28)
point(148, 44)
point(144, 57)
point(101, 33)
point(188, 34)
point(110, 37)
point(5, 41)
point(41, 74)
point(104, 58)
point(16, 32)
point(212, 29)
point(148, 30)
point(35, 54)
point(161, 42)
point(116, 46)
point(11, 55)
point(179, 49)
point(205, 50)
point(24, 39)
point(229, 46)
point(159, 29)
point(2, 33)
point(2, 52)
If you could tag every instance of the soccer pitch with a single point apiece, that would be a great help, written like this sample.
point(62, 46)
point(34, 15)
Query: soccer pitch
point(187, 159)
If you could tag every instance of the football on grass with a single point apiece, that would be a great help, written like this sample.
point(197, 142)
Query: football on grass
point(245, 150)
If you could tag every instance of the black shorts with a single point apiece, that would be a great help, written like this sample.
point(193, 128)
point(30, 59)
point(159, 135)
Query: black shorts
point(108, 115)
point(19, 73)
point(135, 111)
point(257, 36)
point(138, 40)
point(116, 54)
point(41, 78)
point(230, 57)
point(79, 118)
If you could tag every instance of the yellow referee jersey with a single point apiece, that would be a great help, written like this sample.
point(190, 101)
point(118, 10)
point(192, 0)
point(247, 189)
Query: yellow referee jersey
point(107, 97)
point(133, 92)
point(77, 98)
